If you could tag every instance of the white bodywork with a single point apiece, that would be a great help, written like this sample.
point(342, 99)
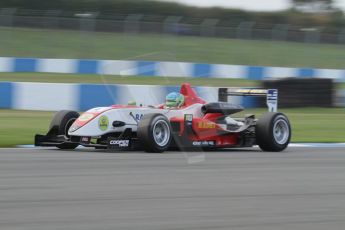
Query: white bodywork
point(92, 128)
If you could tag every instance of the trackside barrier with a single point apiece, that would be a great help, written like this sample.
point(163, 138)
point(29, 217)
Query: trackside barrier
point(295, 92)
point(57, 96)
point(80, 97)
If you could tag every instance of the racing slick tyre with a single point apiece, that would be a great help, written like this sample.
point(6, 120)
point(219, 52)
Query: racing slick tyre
point(62, 121)
point(154, 133)
point(273, 132)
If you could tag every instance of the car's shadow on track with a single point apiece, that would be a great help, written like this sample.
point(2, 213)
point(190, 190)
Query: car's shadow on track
point(191, 151)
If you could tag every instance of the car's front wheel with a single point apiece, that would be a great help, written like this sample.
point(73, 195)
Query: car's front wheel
point(61, 122)
point(273, 132)
point(154, 132)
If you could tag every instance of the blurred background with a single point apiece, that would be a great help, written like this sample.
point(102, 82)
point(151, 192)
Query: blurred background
point(79, 54)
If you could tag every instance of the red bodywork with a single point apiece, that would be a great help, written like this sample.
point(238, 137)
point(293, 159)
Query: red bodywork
point(204, 128)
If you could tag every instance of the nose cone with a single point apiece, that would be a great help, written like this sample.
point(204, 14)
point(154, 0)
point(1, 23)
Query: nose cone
point(81, 121)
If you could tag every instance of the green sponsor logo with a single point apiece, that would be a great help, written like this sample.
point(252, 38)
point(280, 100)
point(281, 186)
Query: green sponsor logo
point(103, 123)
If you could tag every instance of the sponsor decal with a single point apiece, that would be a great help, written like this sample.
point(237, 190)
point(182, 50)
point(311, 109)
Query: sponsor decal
point(119, 143)
point(206, 125)
point(204, 143)
point(86, 117)
point(85, 140)
point(272, 100)
point(138, 116)
point(103, 123)
point(272, 94)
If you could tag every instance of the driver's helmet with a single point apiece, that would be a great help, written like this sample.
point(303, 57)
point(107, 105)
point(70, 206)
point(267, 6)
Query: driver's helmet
point(174, 100)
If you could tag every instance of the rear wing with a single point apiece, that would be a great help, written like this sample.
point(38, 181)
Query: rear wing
point(270, 94)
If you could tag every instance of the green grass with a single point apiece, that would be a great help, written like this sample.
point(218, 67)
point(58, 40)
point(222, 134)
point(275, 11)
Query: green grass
point(308, 125)
point(106, 79)
point(19, 127)
point(317, 125)
point(139, 80)
point(75, 44)
point(313, 124)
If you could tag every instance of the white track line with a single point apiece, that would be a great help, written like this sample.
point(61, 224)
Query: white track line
point(318, 145)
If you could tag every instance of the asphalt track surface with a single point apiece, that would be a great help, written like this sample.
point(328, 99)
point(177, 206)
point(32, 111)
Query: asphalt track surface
point(301, 188)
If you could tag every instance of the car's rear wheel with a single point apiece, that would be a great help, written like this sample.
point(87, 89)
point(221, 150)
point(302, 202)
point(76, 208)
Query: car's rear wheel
point(154, 132)
point(61, 122)
point(273, 132)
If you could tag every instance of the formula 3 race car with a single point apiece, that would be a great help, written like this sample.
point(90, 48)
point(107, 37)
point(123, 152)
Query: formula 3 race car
point(196, 124)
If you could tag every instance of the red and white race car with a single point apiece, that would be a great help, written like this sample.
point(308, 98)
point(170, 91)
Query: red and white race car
point(196, 124)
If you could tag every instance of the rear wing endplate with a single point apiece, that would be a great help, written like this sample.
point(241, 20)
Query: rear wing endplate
point(270, 94)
